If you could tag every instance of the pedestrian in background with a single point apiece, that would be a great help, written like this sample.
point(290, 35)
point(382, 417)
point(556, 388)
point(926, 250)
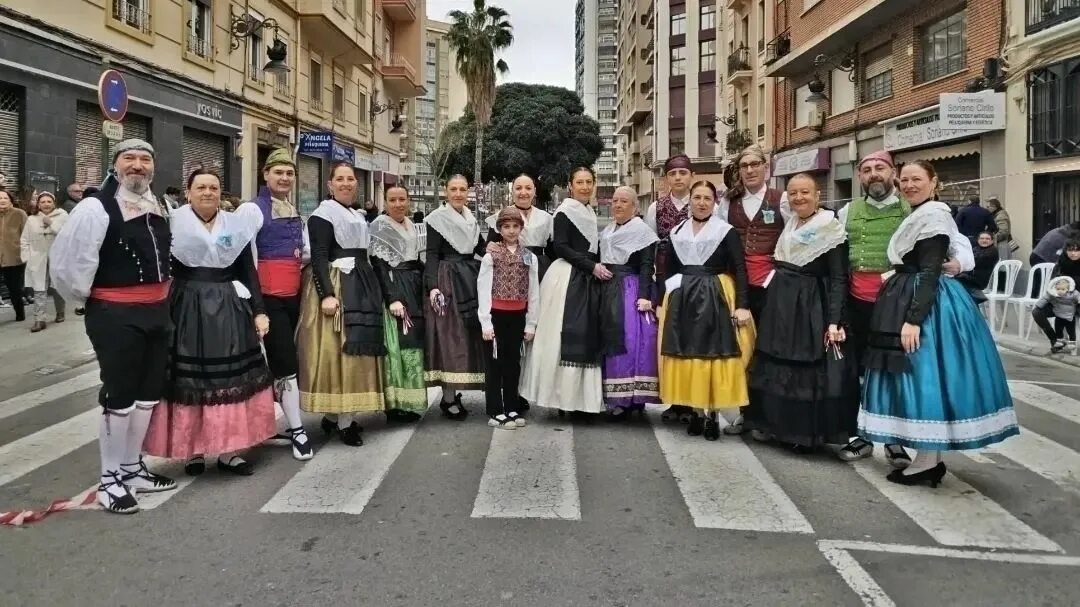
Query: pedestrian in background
point(37, 238)
point(1006, 245)
point(1061, 299)
point(74, 195)
point(974, 218)
point(12, 265)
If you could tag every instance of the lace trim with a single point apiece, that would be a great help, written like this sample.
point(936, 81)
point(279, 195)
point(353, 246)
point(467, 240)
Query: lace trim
point(934, 220)
point(802, 245)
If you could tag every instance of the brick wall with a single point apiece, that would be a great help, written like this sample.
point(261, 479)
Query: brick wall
point(984, 24)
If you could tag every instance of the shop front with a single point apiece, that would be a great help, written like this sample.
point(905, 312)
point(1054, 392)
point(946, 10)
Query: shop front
point(813, 161)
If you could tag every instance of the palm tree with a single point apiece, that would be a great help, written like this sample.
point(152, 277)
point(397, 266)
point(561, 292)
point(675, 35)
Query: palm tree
point(475, 37)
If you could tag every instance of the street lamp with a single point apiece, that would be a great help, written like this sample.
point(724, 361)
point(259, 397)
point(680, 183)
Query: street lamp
point(245, 25)
point(844, 63)
point(399, 116)
point(729, 120)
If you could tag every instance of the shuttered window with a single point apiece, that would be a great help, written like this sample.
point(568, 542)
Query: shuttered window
point(88, 141)
point(11, 107)
point(878, 73)
point(202, 149)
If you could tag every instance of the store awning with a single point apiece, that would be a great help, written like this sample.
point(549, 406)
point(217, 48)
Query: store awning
point(955, 150)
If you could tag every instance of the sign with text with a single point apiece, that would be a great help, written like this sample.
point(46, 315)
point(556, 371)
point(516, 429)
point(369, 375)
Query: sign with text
point(343, 153)
point(113, 131)
point(922, 129)
point(984, 110)
point(316, 143)
point(800, 161)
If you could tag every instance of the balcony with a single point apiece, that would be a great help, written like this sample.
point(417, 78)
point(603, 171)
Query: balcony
point(198, 46)
point(1045, 14)
point(857, 25)
point(739, 68)
point(648, 54)
point(734, 5)
point(777, 48)
point(333, 33)
point(400, 77)
point(738, 140)
point(401, 11)
point(133, 15)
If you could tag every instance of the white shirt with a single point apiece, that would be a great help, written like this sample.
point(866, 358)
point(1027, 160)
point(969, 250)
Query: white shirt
point(650, 214)
point(751, 204)
point(485, 281)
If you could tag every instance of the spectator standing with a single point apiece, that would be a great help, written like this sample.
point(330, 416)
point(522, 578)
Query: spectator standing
point(37, 237)
point(12, 267)
point(1006, 244)
point(74, 195)
point(1050, 246)
point(973, 218)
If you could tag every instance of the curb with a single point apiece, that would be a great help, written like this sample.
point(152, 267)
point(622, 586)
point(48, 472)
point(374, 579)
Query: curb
point(1037, 351)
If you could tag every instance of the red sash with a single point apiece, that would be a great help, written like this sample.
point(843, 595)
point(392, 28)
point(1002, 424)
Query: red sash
point(279, 277)
point(151, 293)
point(758, 268)
point(865, 285)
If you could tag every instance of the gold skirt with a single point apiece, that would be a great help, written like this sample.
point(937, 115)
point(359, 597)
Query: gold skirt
point(708, 383)
point(330, 380)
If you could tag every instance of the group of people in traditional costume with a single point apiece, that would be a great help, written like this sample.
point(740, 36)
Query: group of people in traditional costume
point(756, 306)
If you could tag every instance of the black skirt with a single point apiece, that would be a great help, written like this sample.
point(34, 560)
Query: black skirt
point(581, 343)
point(612, 309)
point(800, 393)
point(215, 357)
point(543, 263)
point(408, 278)
point(464, 272)
point(698, 321)
point(884, 351)
point(362, 307)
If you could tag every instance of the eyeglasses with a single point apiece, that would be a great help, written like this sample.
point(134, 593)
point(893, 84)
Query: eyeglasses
point(754, 165)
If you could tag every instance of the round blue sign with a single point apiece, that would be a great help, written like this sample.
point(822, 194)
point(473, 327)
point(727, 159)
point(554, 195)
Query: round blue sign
point(112, 95)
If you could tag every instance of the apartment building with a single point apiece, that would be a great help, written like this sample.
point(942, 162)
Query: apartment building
point(745, 102)
point(1043, 118)
point(200, 89)
point(595, 64)
point(442, 103)
point(636, 81)
point(859, 76)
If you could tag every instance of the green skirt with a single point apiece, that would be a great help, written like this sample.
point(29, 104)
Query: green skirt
point(403, 372)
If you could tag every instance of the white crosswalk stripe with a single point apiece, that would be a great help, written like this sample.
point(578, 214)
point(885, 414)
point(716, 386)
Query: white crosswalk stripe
point(29, 400)
point(532, 473)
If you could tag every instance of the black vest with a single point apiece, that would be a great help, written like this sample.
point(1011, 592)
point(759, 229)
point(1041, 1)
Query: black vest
point(135, 251)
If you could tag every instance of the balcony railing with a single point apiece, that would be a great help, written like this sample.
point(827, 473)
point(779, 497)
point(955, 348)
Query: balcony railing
point(777, 48)
point(315, 104)
point(281, 85)
point(738, 60)
point(738, 140)
point(1044, 14)
point(198, 45)
point(132, 12)
point(256, 74)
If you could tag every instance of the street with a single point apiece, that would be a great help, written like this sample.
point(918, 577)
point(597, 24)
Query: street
point(557, 513)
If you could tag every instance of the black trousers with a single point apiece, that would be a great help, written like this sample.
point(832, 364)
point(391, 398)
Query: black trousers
point(280, 341)
point(13, 279)
point(1061, 326)
point(132, 343)
point(503, 373)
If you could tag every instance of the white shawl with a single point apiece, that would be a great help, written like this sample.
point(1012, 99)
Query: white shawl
point(537, 230)
point(799, 245)
point(619, 242)
point(458, 229)
point(196, 247)
point(929, 219)
point(696, 249)
point(584, 219)
point(393, 242)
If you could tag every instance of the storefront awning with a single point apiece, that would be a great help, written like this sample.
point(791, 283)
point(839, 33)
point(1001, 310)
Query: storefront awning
point(955, 150)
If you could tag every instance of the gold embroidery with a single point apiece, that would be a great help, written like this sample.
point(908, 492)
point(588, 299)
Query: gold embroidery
point(341, 403)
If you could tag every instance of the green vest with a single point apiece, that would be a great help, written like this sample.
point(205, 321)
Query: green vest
point(869, 230)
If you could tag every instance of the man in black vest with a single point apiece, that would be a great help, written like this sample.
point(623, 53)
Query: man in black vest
point(113, 254)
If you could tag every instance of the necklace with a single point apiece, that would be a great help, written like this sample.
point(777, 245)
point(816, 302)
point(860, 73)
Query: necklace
point(207, 221)
point(803, 221)
point(696, 220)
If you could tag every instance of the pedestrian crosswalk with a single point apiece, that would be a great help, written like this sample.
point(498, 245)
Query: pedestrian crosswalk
point(535, 473)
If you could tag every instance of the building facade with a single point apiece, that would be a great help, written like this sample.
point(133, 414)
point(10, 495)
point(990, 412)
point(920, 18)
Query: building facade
point(1043, 119)
point(636, 79)
point(199, 90)
point(595, 63)
point(442, 103)
point(855, 77)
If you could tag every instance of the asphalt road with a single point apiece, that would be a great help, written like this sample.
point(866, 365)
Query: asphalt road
point(558, 513)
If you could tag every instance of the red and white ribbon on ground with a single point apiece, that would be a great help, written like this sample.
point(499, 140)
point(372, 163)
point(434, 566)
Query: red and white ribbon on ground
point(87, 500)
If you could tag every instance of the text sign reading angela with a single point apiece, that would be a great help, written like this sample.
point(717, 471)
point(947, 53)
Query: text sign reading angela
point(316, 142)
point(983, 111)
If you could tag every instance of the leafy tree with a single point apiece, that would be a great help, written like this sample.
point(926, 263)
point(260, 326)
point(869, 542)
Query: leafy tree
point(475, 38)
point(535, 129)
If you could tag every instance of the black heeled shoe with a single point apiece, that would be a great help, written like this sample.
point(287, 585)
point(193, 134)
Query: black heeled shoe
point(712, 430)
point(697, 426)
point(618, 414)
point(195, 466)
point(932, 476)
point(461, 412)
point(351, 435)
point(240, 468)
point(328, 427)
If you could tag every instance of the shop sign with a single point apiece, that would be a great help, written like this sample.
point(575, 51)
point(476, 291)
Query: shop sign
point(802, 161)
point(341, 153)
point(113, 131)
point(982, 110)
point(922, 129)
point(364, 161)
point(316, 143)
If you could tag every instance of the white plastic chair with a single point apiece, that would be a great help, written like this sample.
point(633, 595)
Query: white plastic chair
point(1040, 274)
point(1002, 292)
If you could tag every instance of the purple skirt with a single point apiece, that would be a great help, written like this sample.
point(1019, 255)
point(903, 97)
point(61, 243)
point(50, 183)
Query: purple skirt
point(630, 378)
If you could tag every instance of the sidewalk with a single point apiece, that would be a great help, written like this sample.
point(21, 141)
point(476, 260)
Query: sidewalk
point(27, 357)
point(1035, 345)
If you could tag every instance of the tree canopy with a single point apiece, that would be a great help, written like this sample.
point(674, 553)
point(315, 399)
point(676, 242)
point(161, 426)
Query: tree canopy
point(535, 129)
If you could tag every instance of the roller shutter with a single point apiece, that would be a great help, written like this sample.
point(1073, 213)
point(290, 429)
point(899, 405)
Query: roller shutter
point(958, 177)
point(11, 107)
point(88, 141)
point(203, 149)
point(309, 177)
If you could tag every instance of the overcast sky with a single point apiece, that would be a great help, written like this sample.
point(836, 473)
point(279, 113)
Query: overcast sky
point(543, 50)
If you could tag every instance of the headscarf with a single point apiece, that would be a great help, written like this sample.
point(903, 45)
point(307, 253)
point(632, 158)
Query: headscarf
point(128, 145)
point(881, 155)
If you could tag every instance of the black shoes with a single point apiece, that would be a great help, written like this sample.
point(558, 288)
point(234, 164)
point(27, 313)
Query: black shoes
point(454, 410)
point(931, 476)
point(236, 465)
point(712, 430)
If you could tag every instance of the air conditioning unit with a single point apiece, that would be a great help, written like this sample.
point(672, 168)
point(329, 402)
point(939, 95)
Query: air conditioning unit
point(815, 118)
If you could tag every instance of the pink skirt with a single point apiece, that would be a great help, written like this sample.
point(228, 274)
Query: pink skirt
point(182, 431)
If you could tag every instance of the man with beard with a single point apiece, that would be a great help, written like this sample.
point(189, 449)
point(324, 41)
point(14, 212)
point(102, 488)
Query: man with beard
point(113, 254)
point(871, 221)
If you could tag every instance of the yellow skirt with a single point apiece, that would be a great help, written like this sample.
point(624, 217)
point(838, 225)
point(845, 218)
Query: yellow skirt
point(330, 380)
point(707, 383)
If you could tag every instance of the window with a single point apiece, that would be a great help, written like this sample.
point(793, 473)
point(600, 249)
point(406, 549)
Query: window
point(1054, 110)
point(315, 86)
point(606, 39)
point(607, 114)
point(708, 55)
point(841, 92)
point(678, 24)
point(761, 26)
point(133, 13)
point(877, 74)
point(943, 46)
point(361, 6)
point(803, 108)
point(362, 101)
point(606, 65)
point(606, 78)
point(708, 17)
point(255, 57)
point(200, 28)
point(676, 142)
point(678, 60)
point(339, 101)
point(605, 89)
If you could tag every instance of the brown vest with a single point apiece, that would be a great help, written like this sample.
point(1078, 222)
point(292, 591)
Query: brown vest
point(510, 275)
point(758, 237)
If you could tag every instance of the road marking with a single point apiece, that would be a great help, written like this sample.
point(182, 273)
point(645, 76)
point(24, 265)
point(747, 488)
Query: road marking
point(956, 514)
point(1044, 457)
point(1047, 400)
point(173, 469)
point(29, 400)
point(1043, 383)
point(45, 446)
point(530, 472)
point(979, 457)
point(952, 553)
point(341, 478)
point(856, 577)
point(724, 484)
